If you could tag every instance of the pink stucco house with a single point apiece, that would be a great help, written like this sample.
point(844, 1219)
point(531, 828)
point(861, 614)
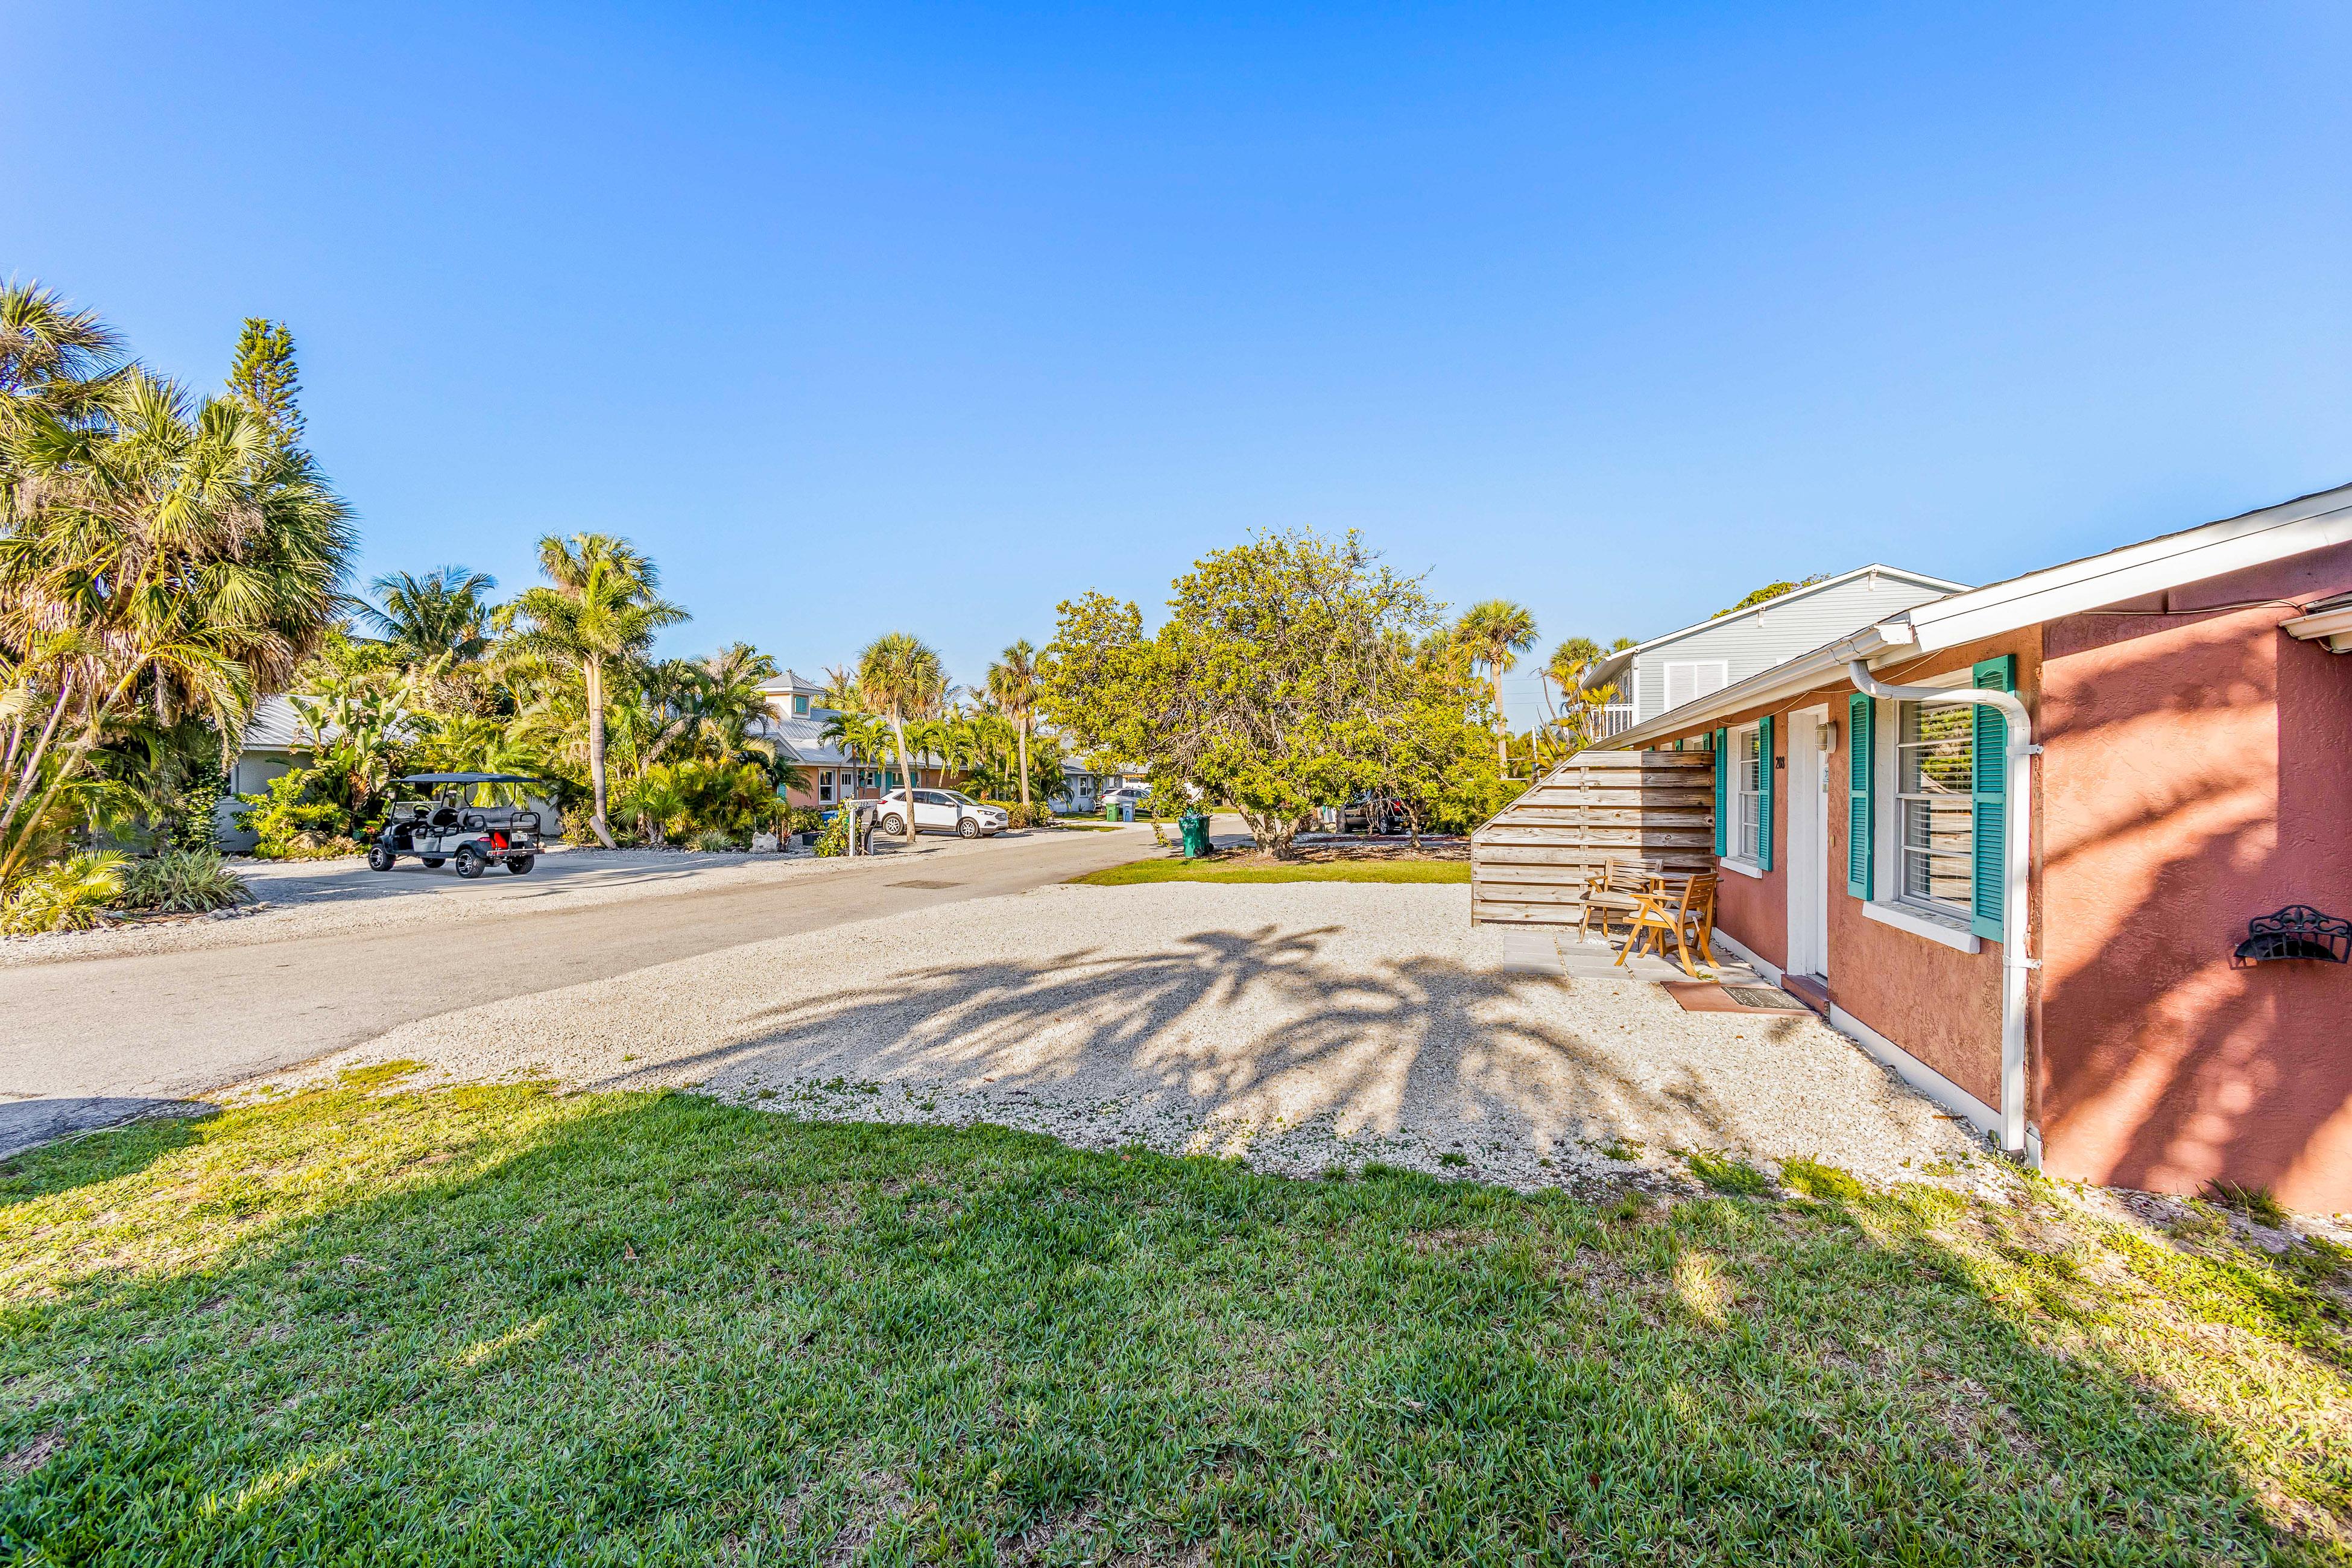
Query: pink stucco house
point(2045, 942)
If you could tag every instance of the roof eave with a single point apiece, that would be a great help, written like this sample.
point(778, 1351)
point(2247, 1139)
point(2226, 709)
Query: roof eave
point(1787, 679)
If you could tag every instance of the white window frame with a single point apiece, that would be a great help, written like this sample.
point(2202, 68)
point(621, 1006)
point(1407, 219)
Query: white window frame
point(1939, 922)
point(1666, 667)
point(825, 786)
point(1744, 772)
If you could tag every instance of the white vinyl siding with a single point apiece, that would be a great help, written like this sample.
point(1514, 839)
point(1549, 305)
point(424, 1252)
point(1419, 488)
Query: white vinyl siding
point(1756, 639)
point(1688, 680)
point(1935, 813)
point(1747, 791)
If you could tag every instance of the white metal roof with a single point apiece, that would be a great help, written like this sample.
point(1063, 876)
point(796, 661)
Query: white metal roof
point(1610, 668)
point(2130, 572)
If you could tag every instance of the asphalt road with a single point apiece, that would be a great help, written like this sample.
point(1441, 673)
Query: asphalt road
point(92, 1041)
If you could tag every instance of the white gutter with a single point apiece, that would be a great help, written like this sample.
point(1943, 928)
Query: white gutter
point(2332, 628)
point(2018, 852)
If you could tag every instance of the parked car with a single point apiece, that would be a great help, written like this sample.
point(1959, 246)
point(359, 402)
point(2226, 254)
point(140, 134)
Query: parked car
point(457, 817)
point(1373, 814)
point(942, 811)
point(1135, 796)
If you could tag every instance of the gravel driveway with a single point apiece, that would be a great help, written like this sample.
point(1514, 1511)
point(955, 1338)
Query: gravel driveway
point(1299, 1026)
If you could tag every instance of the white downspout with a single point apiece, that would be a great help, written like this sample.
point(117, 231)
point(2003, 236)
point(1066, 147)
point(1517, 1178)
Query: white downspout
point(2017, 873)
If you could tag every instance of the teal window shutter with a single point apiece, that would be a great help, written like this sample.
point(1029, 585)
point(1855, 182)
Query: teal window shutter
point(1722, 790)
point(1861, 786)
point(1764, 793)
point(1990, 787)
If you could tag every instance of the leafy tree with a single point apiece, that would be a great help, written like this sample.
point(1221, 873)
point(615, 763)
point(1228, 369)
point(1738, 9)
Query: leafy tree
point(902, 676)
point(445, 612)
point(1432, 749)
point(262, 376)
point(599, 610)
point(1498, 631)
point(1268, 686)
point(1769, 592)
point(1012, 686)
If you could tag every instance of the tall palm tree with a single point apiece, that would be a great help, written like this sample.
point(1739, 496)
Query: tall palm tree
point(1498, 631)
point(1012, 686)
point(902, 675)
point(600, 609)
point(54, 360)
point(158, 551)
point(446, 611)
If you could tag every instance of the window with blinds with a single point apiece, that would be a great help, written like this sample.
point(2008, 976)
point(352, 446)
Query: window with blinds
point(1935, 771)
point(1747, 791)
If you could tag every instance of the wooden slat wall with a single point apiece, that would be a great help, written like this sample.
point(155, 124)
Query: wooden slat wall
point(1527, 867)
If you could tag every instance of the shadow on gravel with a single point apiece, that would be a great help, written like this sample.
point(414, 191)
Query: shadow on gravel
point(1367, 1046)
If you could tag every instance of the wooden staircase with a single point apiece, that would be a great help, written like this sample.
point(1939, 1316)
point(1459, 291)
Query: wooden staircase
point(1529, 865)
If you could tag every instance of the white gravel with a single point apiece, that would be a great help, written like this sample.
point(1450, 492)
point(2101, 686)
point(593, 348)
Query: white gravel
point(1299, 1026)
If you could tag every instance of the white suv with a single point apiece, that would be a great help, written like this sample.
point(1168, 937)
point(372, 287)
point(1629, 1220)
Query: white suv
point(941, 811)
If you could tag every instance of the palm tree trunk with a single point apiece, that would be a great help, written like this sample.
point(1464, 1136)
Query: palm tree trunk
point(595, 676)
point(1502, 726)
point(1021, 730)
point(33, 758)
point(906, 772)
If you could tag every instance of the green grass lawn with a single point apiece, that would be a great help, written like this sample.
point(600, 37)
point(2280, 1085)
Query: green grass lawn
point(503, 1325)
point(1173, 870)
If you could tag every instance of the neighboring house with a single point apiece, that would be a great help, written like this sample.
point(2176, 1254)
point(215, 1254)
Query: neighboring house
point(2192, 707)
point(796, 723)
point(275, 742)
point(1683, 666)
point(1081, 788)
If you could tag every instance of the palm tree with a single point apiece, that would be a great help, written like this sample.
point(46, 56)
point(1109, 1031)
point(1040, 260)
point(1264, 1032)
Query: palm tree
point(1498, 631)
point(1013, 685)
point(902, 675)
point(600, 610)
point(446, 611)
point(159, 552)
point(55, 361)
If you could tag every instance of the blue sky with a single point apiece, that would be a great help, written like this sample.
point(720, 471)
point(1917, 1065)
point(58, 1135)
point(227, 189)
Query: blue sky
point(881, 317)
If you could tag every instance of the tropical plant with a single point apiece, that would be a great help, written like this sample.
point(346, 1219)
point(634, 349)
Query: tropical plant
point(70, 894)
point(1498, 631)
point(292, 819)
point(181, 881)
point(262, 376)
point(160, 554)
point(1013, 685)
point(444, 614)
point(599, 610)
point(835, 839)
point(902, 676)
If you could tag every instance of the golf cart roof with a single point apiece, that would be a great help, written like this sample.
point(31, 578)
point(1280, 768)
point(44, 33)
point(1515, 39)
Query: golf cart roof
point(465, 779)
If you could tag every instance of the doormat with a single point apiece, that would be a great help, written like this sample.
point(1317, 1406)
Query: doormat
point(923, 884)
point(1700, 996)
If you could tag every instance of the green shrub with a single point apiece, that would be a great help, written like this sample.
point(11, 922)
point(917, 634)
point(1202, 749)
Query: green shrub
point(804, 819)
point(292, 823)
point(182, 881)
point(715, 841)
point(1729, 1173)
point(72, 894)
point(1816, 1180)
point(835, 839)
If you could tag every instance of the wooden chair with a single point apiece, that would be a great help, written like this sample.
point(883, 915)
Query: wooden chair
point(1682, 904)
point(1618, 891)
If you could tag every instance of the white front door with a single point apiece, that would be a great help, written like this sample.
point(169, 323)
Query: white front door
point(1809, 845)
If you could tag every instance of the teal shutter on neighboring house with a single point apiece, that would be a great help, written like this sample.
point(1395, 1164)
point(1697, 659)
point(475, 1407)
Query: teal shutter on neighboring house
point(1764, 793)
point(1722, 789)
point(1991, 792)
point(1860, 785)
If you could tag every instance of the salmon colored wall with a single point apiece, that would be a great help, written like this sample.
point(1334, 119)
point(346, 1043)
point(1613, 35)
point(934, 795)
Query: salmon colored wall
point(1940, 1005)
point(1755, 910)
point(2197, 771)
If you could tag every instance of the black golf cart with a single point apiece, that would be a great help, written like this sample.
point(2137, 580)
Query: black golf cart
point(458, 817)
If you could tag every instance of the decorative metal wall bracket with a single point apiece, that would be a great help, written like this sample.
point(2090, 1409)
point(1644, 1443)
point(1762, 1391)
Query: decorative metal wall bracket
point(2297, 930)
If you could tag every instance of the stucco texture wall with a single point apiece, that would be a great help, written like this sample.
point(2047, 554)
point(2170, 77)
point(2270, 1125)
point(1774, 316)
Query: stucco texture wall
point(2197, 772)
point(1940, 1005)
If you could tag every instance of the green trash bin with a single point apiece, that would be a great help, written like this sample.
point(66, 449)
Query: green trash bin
point(1110, 811)
point(1196, 834)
